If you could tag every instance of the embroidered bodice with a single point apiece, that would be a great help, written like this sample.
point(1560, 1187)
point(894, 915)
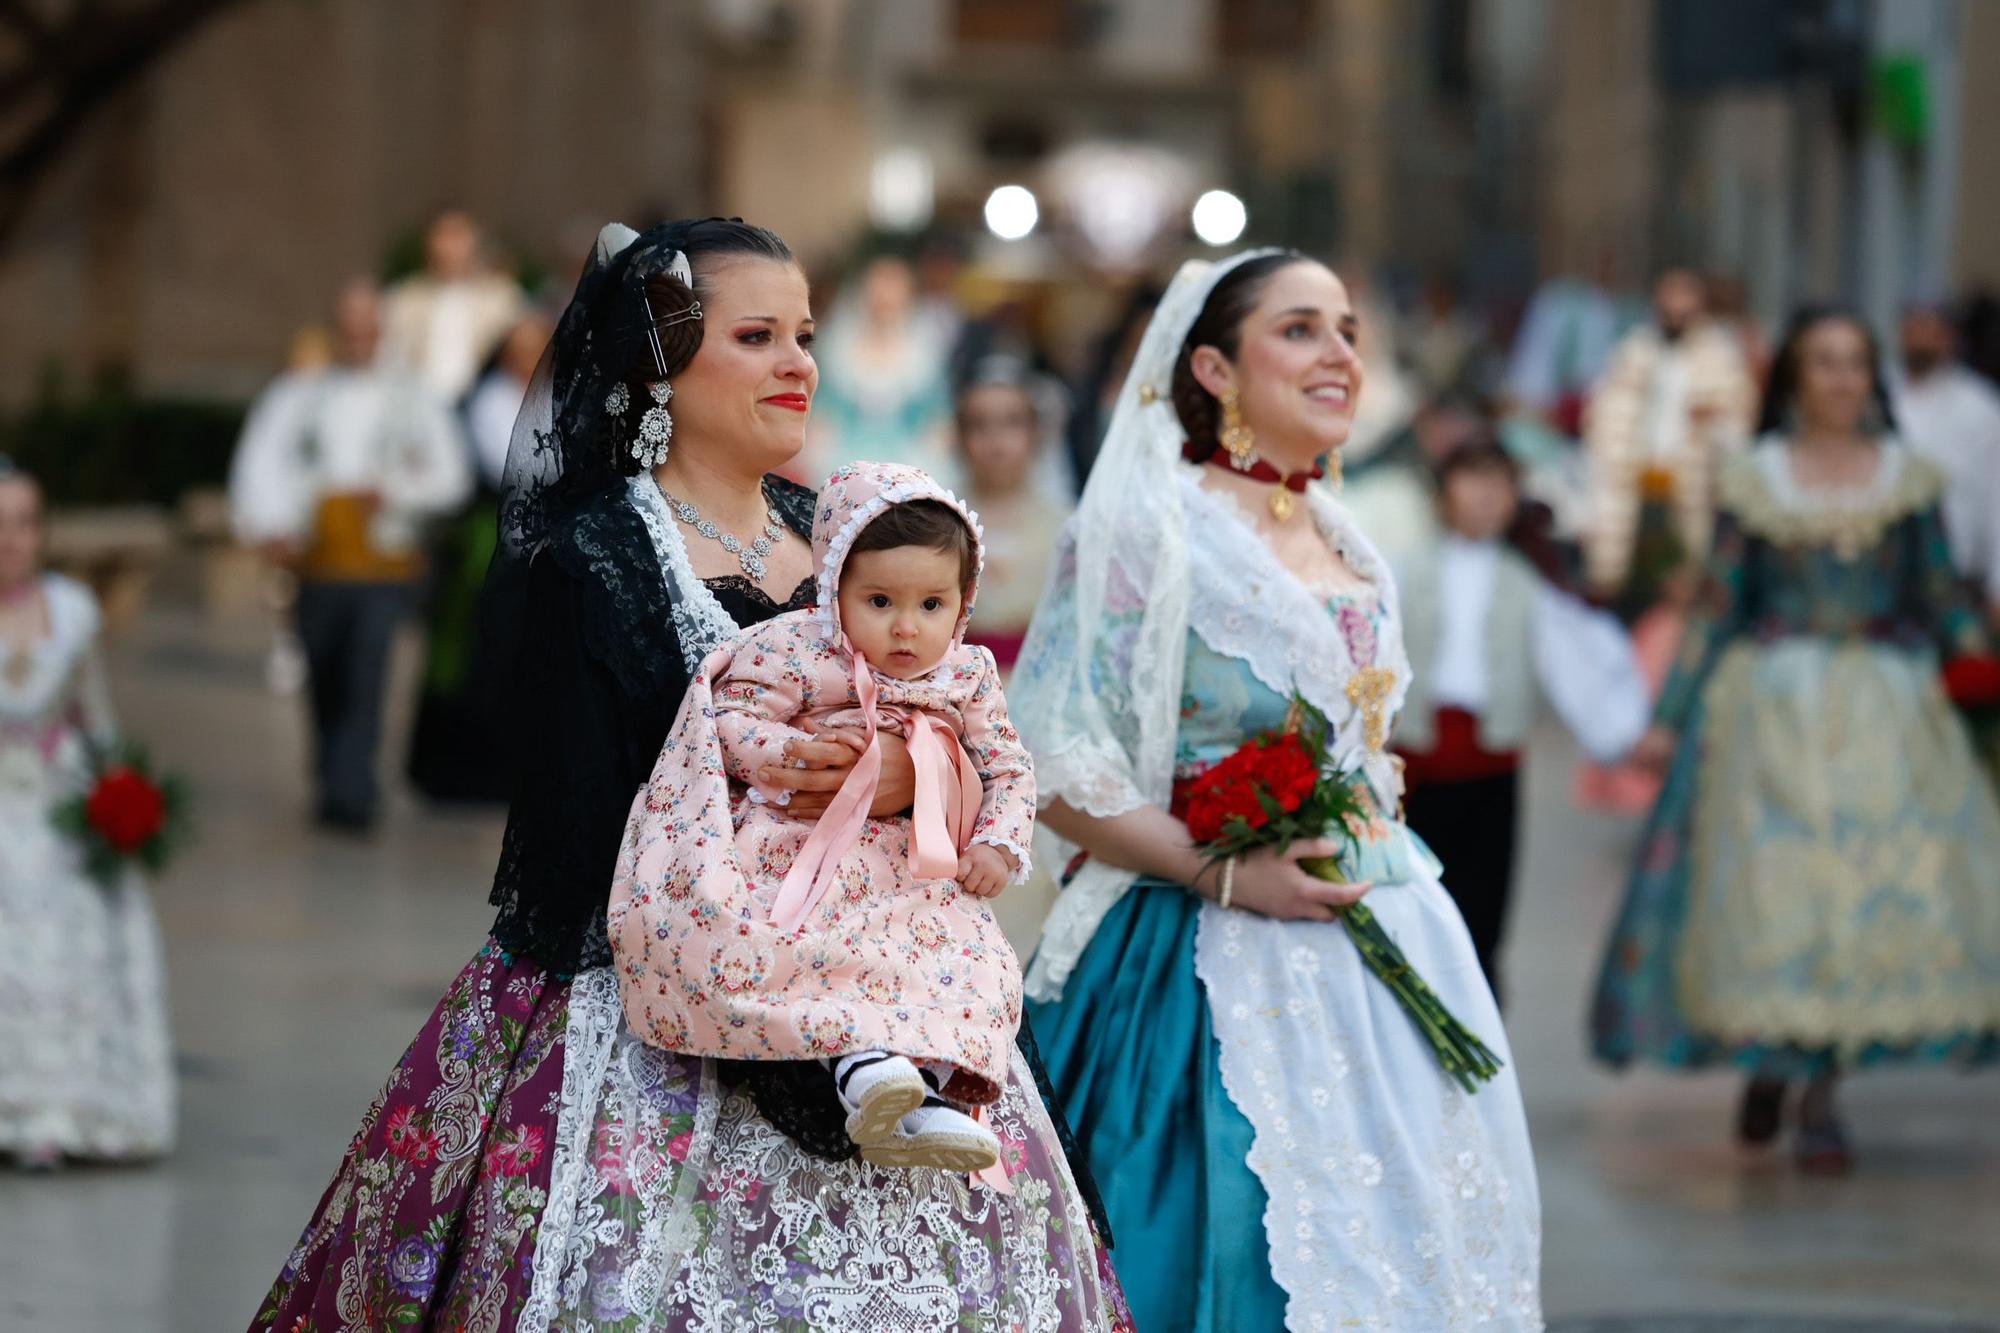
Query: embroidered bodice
point(1224, 704)
point(53, 699)
point(1111, 717)
point(1868, 563)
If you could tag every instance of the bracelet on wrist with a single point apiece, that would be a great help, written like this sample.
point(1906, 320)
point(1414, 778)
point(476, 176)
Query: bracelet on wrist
point(1228, 889)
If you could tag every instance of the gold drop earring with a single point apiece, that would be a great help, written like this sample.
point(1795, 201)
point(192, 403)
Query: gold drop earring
point(1235, 436)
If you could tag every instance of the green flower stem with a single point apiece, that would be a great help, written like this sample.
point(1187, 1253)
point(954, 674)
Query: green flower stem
point(1459, 1050)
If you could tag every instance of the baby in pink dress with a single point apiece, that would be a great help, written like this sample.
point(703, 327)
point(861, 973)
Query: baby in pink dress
point(868, 943)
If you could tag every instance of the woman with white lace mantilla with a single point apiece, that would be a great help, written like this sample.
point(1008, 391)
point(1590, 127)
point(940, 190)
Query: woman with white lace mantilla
point(531, 1163)
point(1254, 1101)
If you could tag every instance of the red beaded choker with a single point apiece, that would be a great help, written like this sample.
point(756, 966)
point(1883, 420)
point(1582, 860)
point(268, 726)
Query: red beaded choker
point(1288, 483)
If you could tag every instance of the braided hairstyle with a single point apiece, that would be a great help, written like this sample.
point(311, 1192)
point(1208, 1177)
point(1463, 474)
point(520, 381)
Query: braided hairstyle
point(623, 325)
point(1220, 325)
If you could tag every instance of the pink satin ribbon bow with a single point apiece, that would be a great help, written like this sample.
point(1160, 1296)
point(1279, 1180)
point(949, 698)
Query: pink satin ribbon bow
point(993, 1177)
point(941, 818)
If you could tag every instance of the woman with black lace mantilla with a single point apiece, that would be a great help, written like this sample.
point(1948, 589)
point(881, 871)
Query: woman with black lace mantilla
point(531, 1164)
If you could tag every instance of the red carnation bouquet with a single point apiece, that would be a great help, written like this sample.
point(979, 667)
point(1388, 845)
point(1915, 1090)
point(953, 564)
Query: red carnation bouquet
point(126, 815)
point(1972, 681)
point(1273, 792)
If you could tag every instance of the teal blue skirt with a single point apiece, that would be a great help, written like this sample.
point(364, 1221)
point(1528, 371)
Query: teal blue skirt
point(1132, 1058)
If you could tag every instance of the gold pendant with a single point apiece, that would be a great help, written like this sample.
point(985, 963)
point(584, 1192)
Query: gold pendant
point(1282, 504)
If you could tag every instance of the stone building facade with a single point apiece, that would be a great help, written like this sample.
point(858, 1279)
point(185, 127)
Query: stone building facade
point(215, 207)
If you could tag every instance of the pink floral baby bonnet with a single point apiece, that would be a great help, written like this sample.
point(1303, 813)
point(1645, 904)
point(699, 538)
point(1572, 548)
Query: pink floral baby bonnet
point(741, 932)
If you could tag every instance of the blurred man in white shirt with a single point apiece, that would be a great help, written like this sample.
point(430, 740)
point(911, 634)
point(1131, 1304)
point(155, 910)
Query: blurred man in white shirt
point(1675, 400)
point(442, 324)
point(335, 473)
point(1950, 414)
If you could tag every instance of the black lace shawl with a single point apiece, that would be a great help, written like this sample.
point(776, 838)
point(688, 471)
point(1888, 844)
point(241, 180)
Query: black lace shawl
point(601, 676)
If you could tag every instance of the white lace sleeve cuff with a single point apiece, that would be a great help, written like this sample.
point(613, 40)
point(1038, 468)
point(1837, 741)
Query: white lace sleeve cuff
point(1023, 863)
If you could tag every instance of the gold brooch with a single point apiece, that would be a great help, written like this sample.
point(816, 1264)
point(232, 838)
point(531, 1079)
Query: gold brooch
point(1368, 689)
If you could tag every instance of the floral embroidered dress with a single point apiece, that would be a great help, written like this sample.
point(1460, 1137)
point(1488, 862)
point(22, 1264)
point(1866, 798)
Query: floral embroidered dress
point(1251, 1099)
point(887, 958)
point(1815, 887)
point(86, 1063)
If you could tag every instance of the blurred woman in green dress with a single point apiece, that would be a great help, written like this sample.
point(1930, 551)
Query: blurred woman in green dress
point(1815, 890)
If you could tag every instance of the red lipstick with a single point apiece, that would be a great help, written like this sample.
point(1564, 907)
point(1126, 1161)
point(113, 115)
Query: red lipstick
point(796, 402)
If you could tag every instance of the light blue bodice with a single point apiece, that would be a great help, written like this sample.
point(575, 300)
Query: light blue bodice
point(1224, 704)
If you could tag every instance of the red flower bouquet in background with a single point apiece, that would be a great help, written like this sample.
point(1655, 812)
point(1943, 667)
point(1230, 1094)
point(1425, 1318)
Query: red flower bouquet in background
point(1973, 680)
point(1272, 792)
point(125, 815)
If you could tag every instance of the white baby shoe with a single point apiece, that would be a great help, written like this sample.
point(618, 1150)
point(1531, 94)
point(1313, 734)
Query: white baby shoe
point(879, 1090)
point(939, 1135)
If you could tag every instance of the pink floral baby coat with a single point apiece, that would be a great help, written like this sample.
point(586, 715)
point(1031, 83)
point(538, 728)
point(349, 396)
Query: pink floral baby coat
point(884, 959)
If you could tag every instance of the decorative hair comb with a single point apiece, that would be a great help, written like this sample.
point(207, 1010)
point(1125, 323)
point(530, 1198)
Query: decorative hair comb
point(679, 269)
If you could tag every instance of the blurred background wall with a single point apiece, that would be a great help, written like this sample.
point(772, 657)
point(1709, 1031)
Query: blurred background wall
point(204, 200)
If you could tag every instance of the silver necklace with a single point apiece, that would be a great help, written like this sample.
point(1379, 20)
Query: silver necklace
point(751, 557)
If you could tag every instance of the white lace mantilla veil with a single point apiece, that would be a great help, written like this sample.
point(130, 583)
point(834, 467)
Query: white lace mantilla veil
point(1097, 691)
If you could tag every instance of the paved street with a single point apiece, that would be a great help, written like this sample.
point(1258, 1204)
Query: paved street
point(301, 964)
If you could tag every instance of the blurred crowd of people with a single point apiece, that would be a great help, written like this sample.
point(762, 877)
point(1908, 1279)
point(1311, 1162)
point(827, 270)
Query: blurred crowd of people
point(1619, 409)
point(1547, 481)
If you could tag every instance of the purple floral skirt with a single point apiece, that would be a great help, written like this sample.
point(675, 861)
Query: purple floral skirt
point(675, 1203)
point(431, 1220)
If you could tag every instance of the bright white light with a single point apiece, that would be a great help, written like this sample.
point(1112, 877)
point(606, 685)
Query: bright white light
point(1119, 195)
point(1219, 217)
point(1011, 212)
point(901, 191)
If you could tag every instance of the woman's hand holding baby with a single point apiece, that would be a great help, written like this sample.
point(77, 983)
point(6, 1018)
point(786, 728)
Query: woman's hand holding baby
point(823, 768)
point(984, 870)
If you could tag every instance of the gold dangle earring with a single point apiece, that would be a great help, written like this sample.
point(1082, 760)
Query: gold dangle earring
point(1333, 477)
point(1235, 436)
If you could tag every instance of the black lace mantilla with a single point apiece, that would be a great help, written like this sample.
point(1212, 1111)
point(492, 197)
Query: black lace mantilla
point(794, 504)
